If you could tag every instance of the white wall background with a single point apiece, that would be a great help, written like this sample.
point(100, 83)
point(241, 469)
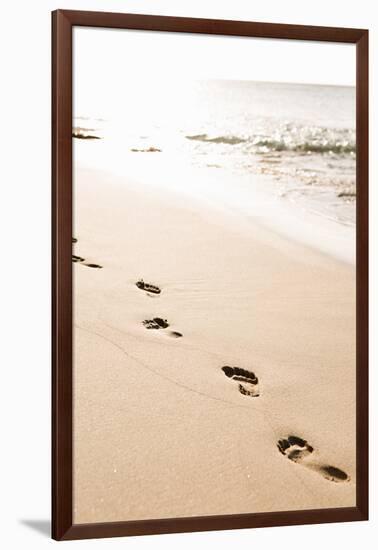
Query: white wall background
point(25, 267)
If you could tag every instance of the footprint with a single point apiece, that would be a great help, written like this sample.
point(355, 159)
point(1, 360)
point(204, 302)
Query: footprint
point(298, 450)
point(148, 287)
point(79, 259)
point(295, 448)
point(156, 323)
point(248, 382)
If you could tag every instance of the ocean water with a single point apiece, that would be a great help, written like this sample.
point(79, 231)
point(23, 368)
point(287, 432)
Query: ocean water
point(299, 138)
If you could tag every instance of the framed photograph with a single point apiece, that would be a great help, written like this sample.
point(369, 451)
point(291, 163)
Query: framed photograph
point(210, 274)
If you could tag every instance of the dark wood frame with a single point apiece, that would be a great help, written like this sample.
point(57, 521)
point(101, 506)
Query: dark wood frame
point(62, 522)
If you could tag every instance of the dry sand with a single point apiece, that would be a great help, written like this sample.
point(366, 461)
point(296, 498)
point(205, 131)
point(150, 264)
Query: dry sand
point(159, 429)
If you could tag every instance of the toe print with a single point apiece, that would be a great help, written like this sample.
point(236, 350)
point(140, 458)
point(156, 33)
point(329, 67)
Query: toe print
point(294, 448)
point(298, 450)
point(247, 381)
point(156, 323)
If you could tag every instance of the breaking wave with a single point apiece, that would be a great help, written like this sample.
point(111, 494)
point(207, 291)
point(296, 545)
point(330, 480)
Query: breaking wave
point(307, 147)
point(230, 140)
point(292, 139)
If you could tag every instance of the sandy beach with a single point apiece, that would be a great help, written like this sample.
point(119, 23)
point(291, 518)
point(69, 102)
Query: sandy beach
point(160, 430)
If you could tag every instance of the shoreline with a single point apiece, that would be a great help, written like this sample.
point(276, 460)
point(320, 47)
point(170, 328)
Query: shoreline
point(160, 430)
point(255, 198)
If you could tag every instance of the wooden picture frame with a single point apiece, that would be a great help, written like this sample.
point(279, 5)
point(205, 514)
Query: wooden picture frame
point(63, 22)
